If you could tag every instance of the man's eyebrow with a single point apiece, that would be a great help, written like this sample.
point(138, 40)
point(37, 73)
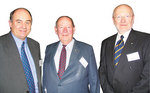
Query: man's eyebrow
point(18, 20)
point(29, 20)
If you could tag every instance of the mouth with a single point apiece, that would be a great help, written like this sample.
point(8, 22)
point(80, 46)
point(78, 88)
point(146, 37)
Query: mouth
point(123, 25)
point(64, 35)
point(23, 31)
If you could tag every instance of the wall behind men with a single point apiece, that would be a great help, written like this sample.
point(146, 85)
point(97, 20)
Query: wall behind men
point(92, 18)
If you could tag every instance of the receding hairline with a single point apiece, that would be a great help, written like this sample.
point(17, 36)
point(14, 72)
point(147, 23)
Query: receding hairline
point(17, 9)
point(123, 5)
point(61, 17)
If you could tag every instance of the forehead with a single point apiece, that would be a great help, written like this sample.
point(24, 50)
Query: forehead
point(64, 21)
point(123, 10)
point(21, 14)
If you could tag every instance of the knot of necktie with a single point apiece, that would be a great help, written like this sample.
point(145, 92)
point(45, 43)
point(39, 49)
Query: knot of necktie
point(22, 46)
point(121, 37)
point(64, 45)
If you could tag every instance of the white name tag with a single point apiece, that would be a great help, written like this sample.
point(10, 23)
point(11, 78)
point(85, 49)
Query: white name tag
point(45, 90)
point(83, 62)
point(40, 62)
point(133, 56)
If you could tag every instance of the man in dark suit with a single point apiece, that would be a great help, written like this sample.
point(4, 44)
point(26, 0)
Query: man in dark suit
point(69, 65)
point(15, 48)
point(124, 65)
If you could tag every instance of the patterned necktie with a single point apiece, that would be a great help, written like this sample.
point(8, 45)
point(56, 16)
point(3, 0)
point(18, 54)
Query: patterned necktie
point(118, 49)
point(27, 70)
point(62, 62)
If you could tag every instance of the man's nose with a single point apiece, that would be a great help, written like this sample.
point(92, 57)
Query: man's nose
point(65, 30)
point(24, 25)
point(123, 20)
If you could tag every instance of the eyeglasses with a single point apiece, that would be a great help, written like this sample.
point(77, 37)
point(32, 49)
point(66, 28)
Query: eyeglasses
point(119, 17)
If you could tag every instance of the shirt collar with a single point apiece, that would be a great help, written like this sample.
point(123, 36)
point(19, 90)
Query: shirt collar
point(70, 45)
point(126, 34)
point(18, 41)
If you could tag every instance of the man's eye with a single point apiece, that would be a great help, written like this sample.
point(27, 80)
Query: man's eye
point(27, 23)
point(18, 22)
point(127, 16)
point(118, 16)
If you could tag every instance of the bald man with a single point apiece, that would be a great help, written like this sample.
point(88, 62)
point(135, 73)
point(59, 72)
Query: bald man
point(125, 56)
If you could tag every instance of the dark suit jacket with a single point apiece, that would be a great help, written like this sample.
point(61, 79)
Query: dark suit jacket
point(76, 77)
point(129, 76)
point(12, 77)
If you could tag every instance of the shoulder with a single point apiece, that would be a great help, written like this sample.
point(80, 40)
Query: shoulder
point(30, 40)
point(52, 44)
point(142, 37)
point(140, 34)
point(109, 39)
point(83, 46)
point(4, 37)
point(82, 43)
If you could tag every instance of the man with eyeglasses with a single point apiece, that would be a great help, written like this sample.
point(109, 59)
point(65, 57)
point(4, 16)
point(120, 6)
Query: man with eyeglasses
point(125, 56)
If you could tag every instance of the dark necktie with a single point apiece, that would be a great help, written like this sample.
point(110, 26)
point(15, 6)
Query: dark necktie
point(27, 70)
point(62, 62)
point(118, 49)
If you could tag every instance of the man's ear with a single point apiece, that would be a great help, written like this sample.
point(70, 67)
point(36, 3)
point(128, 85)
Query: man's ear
point(56, 31)
point(74, 30)
point(113, 20)
point(10, 23)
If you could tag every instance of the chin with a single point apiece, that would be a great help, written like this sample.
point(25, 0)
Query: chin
point(123, 30)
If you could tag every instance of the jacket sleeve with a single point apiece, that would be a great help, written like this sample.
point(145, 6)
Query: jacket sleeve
point(93, 74)
point(143, 86)
point(106, 87)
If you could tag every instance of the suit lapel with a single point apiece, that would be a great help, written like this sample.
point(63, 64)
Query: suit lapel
point(36, 58)
point(32, 50)
point(129, 46)
point(13, 49)
point(52, 56)
point(73, 58)
point(35, 52)
point(74, 54)
point(15, 60)
point(130, 43)
point(111, 52)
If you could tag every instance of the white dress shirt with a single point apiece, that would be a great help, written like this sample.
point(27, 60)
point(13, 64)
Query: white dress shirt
point(126, 34)
point(69, 48)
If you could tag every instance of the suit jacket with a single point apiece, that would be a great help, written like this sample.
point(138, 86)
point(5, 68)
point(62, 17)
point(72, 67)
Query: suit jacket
point(12, 77)
point(130, 76)
point(76, 77)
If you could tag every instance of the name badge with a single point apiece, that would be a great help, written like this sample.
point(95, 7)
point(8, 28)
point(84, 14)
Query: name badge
point(133, 56)
point(83, 62)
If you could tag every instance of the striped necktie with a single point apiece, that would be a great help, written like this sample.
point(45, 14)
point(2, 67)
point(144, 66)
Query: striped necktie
point(118, 49)
point(27, 70)
point(62, 62)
